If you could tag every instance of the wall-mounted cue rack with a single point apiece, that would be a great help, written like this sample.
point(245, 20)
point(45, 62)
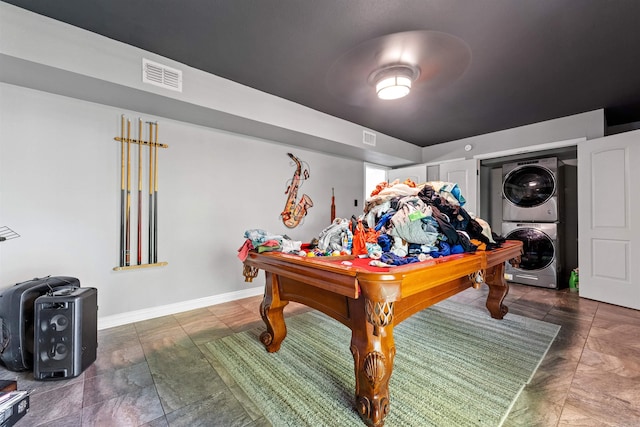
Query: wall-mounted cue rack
point(153, 145)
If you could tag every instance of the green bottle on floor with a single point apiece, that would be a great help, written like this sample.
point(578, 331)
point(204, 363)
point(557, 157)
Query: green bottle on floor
point(574, 280)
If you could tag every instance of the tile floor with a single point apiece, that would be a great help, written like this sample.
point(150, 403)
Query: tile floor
point(158, 373)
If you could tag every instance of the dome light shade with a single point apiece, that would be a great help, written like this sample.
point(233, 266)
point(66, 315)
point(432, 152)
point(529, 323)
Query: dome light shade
point(393, 87)
point(394, 81)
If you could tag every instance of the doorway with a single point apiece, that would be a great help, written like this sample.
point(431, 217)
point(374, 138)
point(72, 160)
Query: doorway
point(491, 200)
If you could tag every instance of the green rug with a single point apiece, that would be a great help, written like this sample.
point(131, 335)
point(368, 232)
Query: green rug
point(455, 366)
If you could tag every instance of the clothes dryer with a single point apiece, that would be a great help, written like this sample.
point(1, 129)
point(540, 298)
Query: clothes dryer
point(540, 264)
point(530, 190)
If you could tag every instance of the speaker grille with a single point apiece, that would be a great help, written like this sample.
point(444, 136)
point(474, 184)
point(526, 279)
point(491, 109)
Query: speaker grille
point(65, 334)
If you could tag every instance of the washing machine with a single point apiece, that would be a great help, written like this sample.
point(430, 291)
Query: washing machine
point(540, 264)
point(530, 190)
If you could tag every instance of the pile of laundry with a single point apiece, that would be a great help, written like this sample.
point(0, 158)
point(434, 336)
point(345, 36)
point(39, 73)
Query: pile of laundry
point(405, 222)
point(402, 223)
point(263, 241)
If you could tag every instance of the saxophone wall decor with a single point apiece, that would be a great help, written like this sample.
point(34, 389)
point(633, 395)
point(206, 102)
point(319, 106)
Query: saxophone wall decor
point(295, 210)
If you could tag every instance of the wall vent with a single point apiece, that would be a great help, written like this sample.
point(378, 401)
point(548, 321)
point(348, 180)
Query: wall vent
point(161, 75)
point(368, 138)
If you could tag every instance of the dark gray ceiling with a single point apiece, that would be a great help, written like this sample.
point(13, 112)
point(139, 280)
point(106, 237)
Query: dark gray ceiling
point(531, 60)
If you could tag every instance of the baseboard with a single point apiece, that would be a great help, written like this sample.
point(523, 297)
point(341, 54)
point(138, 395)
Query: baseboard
point(165, 310)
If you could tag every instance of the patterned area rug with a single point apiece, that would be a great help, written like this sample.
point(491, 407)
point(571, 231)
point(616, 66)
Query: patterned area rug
point(455, 366)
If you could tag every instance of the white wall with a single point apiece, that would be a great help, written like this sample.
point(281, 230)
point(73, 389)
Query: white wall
point(60, 190)
point(589, 125)
point(62, 91)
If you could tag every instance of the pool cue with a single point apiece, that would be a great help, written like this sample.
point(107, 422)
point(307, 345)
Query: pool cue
point(122, 198)
point(127, 254)
point(139, 191)
point(150, 248)
point(155, 197)
point(333, 206)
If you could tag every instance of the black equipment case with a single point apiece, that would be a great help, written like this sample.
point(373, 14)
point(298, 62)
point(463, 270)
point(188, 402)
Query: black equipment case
point(17, 317)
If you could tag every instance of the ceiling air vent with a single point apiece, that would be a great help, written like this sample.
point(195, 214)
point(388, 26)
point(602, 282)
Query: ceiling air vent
point(368, 138)
point(161, 75)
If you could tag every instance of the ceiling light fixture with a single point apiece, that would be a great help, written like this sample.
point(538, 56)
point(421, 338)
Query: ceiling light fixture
point(394, 82)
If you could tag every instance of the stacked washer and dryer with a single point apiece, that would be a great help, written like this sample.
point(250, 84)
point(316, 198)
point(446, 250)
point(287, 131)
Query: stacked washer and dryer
point(531, 201)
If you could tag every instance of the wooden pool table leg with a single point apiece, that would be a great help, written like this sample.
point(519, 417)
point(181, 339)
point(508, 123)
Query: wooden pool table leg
point(498, 290)
point(373, 350)
point(271, 311)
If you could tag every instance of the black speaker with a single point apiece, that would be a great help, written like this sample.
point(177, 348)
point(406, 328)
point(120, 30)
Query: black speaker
point(16, 318)
point(66, 333)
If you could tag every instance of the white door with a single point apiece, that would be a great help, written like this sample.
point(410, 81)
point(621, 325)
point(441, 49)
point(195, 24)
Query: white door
point(465, 174)
point(417, 174)
point(608, 215)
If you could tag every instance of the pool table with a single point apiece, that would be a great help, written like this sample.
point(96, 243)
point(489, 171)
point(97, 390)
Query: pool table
point(370, 301)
